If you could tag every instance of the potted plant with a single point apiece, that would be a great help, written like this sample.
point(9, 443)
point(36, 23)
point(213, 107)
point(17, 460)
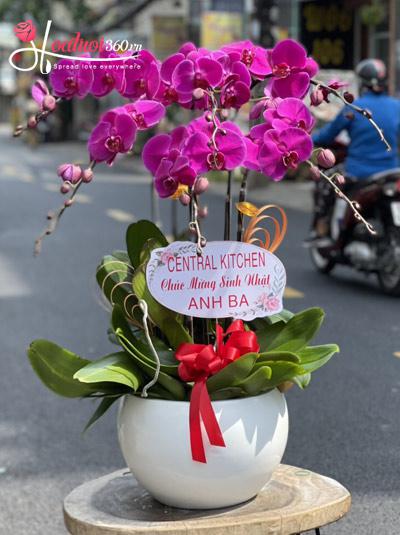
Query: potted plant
point(205, 349)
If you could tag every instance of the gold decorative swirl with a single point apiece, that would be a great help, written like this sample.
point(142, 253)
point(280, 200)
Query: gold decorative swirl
point(261, 236)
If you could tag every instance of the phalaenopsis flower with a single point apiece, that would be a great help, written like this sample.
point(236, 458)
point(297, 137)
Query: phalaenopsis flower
point(252, 56)
point(283, 150)
point(142, 76)
point(109, 75)
point(114, 134)
point(163, 156)
point(288, 112)
point(71, 78)
point(291, 69)
point(196, 71)
point(224, 150)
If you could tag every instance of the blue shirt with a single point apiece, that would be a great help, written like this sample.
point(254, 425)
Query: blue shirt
point(367, 154)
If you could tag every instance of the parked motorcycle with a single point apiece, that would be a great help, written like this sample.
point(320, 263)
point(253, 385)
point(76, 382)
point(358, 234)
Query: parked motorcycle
point(353, 245)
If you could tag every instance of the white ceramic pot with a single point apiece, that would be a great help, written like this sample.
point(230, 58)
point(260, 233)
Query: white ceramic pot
point(154, 438)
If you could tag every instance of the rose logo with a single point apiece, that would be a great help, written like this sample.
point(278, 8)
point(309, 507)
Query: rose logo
point(25, 31)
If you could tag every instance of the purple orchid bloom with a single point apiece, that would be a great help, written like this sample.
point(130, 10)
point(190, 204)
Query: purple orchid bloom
point(235, 89)
point(289, 112)
point(142, 76)
point(229, 152)
point(108, 76)
point(39, 91)
point(162, 155)
point(168, 146)
point(166, 93)
point(235, 93)
point(69, 78)
point(291, 72)
point(145, 113)
point(114, 134)
point(283, 150)
point(171, 173)
point(253, 56)
point(186, 48)
point(252, 152)
point(199, 71)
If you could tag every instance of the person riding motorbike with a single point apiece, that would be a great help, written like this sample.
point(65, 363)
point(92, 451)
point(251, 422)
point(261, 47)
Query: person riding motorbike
point(366, 154)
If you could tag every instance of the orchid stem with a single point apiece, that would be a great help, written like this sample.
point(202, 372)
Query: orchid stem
point(242, 198)
point(362, 111)
point(54, 217)
point(228, 208)
point(352, 204)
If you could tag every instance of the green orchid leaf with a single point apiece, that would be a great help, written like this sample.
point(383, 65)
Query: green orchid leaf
point(102, 408)
point(169, 322)
point(137, 235)
point(56, 367)
point(278, 355)
point(284, 315)
point(171, 384)
point(267, 332)
point(313, 357)
point(138, 344)
point(302, 381)
point(283, 370)
point(298, 331)
point(115, 368)
point(114, 276)
point(258, 381)
point(232, 392)
point(232, 374)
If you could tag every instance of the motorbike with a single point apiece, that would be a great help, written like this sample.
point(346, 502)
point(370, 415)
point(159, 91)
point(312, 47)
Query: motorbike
point(350, 242)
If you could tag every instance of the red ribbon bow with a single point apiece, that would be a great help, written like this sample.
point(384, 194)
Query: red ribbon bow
point(197, 363)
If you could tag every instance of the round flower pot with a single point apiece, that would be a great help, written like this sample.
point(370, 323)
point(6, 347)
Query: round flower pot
point(154, 438)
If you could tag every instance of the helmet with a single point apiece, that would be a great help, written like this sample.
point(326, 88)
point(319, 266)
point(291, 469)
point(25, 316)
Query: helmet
point(372, 73)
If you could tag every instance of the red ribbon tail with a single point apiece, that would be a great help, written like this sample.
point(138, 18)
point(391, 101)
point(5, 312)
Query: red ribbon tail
point(202, 409)
point(209, 419)
point(196, 439)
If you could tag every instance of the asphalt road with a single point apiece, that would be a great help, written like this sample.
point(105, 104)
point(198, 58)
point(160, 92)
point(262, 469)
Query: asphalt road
point(346, 425)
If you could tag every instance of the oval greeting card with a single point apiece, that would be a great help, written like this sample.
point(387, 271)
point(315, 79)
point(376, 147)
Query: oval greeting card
point(229, 279)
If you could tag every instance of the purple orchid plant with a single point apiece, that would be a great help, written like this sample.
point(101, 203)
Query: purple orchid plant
point(271, 87)
point(215, 85)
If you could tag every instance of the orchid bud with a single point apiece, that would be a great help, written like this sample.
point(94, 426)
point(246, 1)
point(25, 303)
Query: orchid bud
point(326, 158)
point(348, 97)
point(32, 122)
point(49, 103)
point(203, 212)
point(316, 97)
point(201, 185)
point(340, 180)
point(68, 203)
point(198, 93)
point(64, 188)
point(69, 172)
point(208, 117)
point(224, 114)
point(87, 175)
point(315, 173)
point(184, 199)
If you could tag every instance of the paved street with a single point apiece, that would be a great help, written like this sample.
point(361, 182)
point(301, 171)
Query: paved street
point(346, 425)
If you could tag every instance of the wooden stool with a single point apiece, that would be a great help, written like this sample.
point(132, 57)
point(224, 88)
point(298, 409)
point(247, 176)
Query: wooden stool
point(294, 501)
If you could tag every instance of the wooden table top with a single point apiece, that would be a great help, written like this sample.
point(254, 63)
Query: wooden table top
point(294, 501)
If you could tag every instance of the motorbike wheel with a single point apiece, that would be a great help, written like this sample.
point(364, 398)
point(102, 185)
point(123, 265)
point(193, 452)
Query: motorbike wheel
point(389, 279)
point(322, 263)
point(389, 283)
